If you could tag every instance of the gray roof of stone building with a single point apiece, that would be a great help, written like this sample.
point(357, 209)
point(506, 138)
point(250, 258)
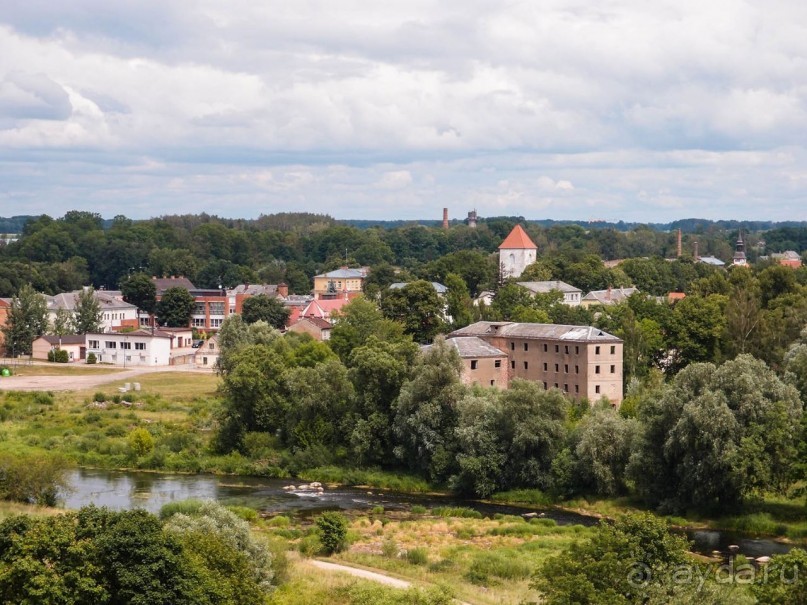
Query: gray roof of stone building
point(471, 346)
point(506, 329)
point(548, 286)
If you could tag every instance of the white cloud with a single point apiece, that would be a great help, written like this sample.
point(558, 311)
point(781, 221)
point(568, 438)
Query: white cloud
point(245, 107)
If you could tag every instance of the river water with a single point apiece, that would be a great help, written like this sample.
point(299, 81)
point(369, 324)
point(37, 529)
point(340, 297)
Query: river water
point(122, 490)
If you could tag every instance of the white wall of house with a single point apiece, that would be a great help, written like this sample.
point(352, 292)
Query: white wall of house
point(130, 350)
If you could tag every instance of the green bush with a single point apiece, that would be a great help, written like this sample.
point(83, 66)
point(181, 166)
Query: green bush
point(35, 479)
point(417, 509)
point(417, 556)
point(309, 546)
point(332, 527)
point(389, 548)
point(99, 397)
point(191, 506)
point(502, 565)
point(62, 356)
point(92, 359)
point(456, 511)
point(279, 521)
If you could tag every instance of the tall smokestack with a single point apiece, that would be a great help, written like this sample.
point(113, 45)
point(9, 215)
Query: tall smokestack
point(445, 218)
point(696, 251)
point(680, 249)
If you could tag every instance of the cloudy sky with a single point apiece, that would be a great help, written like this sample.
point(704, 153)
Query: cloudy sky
point(642, 110)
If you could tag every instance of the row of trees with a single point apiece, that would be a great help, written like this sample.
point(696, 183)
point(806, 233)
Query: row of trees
point(370, 398)
point(79, 248)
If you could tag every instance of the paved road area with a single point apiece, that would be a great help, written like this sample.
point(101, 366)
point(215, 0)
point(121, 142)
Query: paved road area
point(79, 381)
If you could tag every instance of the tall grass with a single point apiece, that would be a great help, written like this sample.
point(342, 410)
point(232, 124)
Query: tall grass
point(367, 478)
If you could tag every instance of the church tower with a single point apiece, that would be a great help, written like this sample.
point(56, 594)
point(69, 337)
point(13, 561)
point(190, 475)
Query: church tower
point(739, 252)
point(516, 253)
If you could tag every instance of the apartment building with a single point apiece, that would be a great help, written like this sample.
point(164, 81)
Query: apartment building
point(583, 361)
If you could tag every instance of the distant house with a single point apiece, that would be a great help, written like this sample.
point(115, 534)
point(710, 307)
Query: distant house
point(711, 260)
point(673, 297)
point(789, 258)
point(160, 347)
point(211, 306)
point(323, 308)
point(485, 298)
point(74, 345)
point(207, 354)
point(482, 363)
point(236, 296)
point(438, 287)
point(319, 329)
point(571, 295)
point(582, 361)
point(342, 283)
point(516, 253)
point(607, 297)
point(116, 314)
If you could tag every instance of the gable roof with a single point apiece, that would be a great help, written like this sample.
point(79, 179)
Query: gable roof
point(518, 240)
point(473, 346)
point(548, 286)
point(438, 287)
point(508, 329)
point(163, 283)
point(322, 324)
point(324, 307)
point(70, 339)
point(67, 300)
point(345, 273)
point(610, 296)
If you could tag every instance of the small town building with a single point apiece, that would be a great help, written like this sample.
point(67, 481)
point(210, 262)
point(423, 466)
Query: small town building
point(316, 327)
point(582, 361)
point(342, 283)
point(74, 345)
point(207, 353)
point(159, 347)
point(483, 364)
point(611, 296)
point(116, 314)
point(571, 295)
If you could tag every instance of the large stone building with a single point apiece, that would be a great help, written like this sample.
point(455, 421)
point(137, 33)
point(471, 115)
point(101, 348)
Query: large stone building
point(344, 283)
point(583, 361)
point(483, 364)
point(516, 253)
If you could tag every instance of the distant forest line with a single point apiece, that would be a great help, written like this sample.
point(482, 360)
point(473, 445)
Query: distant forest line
point(15, 224)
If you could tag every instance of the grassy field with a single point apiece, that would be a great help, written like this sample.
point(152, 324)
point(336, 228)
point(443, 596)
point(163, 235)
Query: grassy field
point(485, 561)
point(59, 369)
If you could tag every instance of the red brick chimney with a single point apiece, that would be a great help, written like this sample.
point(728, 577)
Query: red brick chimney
point(283, 289)
point(445, 218)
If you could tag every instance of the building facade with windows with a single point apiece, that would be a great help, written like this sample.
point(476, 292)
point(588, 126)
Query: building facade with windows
point(160, 347)
point(582, 361)
point(341, 283)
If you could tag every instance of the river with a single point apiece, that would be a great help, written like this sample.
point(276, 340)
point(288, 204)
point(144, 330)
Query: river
point(128, 489)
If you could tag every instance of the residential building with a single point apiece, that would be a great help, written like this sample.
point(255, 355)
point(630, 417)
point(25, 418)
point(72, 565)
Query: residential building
point(571, 295)
point(316, 327)
point(789, 258)
point(75, 346)
point(236, 296)
point(207, 354)
point(323, 308)
point(711, 260)
point(211, 306)
point(485, 298)
point(582, 361)
point(160, 347)
point(343, 283)
point(483, 364)
point(611, 296)
point(116, 314)
point(516, 253)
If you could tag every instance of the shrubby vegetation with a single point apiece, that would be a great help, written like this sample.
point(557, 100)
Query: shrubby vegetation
point(99, 556)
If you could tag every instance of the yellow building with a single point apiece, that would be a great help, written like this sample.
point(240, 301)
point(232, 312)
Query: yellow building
point(342, 283)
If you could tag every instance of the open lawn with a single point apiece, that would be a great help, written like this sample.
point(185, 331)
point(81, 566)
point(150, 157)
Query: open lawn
point(60, 369)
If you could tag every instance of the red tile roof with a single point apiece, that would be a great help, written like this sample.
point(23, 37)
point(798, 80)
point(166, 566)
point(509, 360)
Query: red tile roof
point(518, 240)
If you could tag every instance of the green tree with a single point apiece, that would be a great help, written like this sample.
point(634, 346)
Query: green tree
point(602, 451)
point(140, 442)
point(426, 412)
point(698, 327)
point(139, 290)
point(724, 432)
point(175, 308)
point(618, 565)
point(63, 323)
point(27, 320)
point(356, 322)
point(783, 581)
point(221, 546)
point(460, 306)
point(87, 316)
point(417, 306)
point(265, 308)
point(332, 527)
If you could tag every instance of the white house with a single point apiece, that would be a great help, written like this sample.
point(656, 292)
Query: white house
point(115, 313)
point(142, 348)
